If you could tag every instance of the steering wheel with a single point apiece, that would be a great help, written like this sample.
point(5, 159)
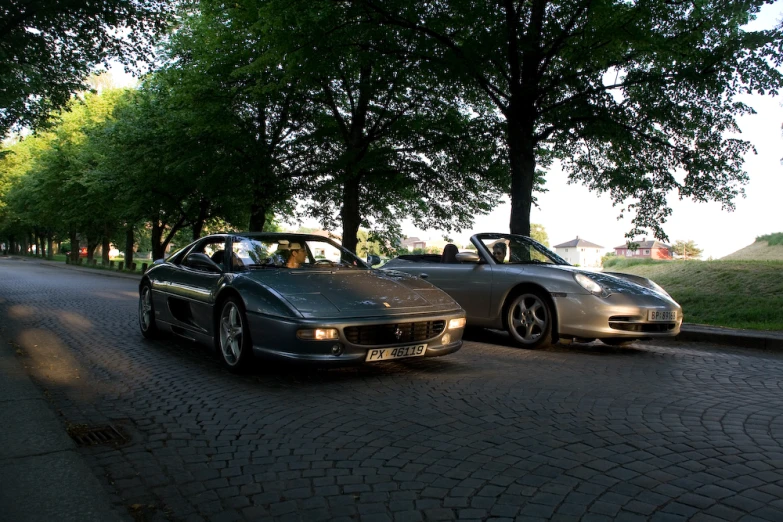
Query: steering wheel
point(324, 262)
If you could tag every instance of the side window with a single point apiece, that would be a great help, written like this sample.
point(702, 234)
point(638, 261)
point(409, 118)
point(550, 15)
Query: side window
point(213, 249)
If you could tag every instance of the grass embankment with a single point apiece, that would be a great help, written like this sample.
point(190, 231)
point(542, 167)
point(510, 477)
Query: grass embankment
point(736, 294)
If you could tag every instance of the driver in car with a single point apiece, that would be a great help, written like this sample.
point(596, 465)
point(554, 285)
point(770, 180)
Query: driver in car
point(499, 252)
point(297, 256)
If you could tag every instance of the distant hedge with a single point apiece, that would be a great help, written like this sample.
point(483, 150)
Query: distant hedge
point(622, 262)
point(772, 239)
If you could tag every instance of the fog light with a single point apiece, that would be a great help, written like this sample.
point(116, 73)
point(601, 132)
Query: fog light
point(457, 323)
point(318, 334)
point(337, 349)
point(446, 339)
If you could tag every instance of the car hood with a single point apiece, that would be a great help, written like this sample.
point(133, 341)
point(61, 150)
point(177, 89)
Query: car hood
point(354, 293)
point(617, 283)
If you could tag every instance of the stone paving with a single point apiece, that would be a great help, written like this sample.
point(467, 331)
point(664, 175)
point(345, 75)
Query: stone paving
point(658, 431)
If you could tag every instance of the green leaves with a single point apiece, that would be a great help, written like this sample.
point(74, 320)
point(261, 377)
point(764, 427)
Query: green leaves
point(47, 49)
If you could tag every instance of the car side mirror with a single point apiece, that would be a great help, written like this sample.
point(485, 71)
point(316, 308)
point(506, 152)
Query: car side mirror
point(373, 260)
point(201, 261)
point(468, 257)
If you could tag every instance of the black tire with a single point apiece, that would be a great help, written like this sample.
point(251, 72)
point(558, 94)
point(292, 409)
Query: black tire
point(618, 342)
point(232, 336)
point(529, 320)
point(147, 324)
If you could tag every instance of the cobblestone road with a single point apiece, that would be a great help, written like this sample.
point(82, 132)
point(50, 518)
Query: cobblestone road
point(658, 431)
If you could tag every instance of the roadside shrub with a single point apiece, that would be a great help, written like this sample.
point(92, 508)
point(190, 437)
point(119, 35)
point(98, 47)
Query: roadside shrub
point(772, 239)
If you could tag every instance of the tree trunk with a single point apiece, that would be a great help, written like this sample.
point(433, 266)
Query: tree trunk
point(522, 158)
point(92, 245)
point(156, 234)
point(129, 241)
point(105, 247)
point(349, 213)
point(203, 213)
point(258, 207)
point(159, 243)
point(74, 246)
point(49, 244)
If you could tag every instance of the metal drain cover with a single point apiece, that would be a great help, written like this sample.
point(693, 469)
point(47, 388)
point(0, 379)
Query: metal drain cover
point(85, 435)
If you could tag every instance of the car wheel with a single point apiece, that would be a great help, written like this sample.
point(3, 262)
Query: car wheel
point(149, 328)
point(233, 336)
point(618, 342)
point(529, 320)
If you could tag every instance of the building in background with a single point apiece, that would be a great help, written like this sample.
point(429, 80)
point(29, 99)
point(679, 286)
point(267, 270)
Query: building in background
point(646, 249)
point(580, 252)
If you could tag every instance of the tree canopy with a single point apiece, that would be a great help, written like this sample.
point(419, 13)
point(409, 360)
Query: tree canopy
point(47, 49)
point(637, 99)
point(365, 112)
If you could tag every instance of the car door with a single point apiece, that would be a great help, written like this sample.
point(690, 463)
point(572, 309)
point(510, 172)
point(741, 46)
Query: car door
point(192, 287)
point(470, 284)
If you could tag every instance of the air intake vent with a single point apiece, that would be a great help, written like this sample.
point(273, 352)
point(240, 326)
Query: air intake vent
point(386, 334)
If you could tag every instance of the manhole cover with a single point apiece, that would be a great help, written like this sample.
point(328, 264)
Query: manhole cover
point(85, 435)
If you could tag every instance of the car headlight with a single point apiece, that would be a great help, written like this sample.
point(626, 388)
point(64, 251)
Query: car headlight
point(457, 323)
point(318, 334)
point(591, 285)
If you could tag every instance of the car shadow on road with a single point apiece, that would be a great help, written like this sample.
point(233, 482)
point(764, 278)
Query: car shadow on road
point(278, 374)
point(502, 338)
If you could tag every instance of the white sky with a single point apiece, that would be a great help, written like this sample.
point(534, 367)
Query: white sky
point(567, 211)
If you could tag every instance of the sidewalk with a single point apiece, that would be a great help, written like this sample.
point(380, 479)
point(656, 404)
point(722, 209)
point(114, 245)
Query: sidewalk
point(44, 478)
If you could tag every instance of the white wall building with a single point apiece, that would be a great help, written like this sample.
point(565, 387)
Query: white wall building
point(581, 252)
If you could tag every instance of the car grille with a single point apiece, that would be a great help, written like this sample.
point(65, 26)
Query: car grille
point(623, 323)
point(381, 334)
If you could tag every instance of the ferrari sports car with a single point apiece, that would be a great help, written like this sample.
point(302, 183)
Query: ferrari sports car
point(514, 283)
point(295, 297)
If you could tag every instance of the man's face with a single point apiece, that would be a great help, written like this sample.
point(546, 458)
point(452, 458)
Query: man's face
point(299, 254)
point(499, 252)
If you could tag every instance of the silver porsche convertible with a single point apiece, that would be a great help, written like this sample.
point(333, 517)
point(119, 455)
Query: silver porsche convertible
point(294, 297)
point(514, 283)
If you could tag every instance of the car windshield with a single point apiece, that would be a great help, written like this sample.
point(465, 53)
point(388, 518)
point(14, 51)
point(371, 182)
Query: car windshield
point(294, 252)
point(518, 250)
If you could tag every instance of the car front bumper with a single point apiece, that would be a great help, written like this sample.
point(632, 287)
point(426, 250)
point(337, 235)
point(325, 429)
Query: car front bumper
point(618, 316)
point(276, 338)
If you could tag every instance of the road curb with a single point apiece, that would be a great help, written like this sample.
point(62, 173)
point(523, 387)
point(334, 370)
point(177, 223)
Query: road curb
point(760, 340)
point(79, 268)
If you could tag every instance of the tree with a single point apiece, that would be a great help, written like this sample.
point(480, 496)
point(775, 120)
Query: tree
point(389, 142)
point(538, 232)
point(627, 95)
point(58, 194)
point(241, 109)
point(47, 49)
point(686, 249)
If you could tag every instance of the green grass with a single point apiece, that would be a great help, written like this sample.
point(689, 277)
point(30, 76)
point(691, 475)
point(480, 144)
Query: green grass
point(618, 263)
point(772, 239)
point(735, 294)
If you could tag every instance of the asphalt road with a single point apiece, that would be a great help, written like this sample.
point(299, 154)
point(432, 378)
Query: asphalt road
point(658, 431)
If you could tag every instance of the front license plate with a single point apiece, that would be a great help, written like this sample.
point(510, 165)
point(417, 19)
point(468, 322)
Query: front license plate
point(384, 354)
point(661, 316)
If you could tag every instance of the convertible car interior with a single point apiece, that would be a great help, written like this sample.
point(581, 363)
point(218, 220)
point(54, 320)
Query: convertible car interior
point(448, 256)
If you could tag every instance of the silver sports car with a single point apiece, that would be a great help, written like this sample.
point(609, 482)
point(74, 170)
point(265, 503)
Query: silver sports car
point(514, 283)
point(295, 297)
